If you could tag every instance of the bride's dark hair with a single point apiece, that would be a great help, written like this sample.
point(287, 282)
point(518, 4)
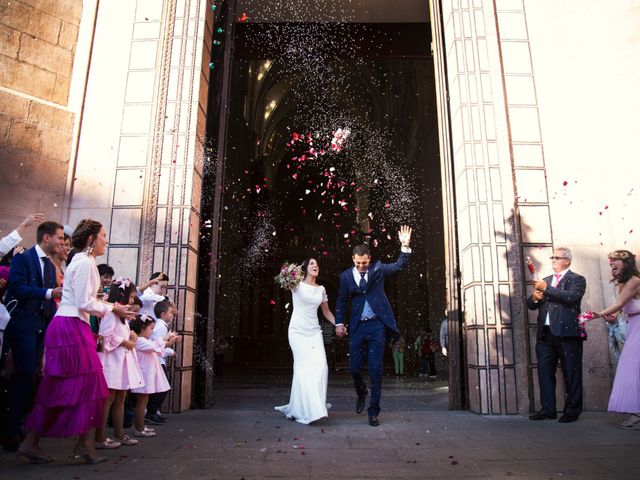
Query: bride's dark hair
point(305, 265)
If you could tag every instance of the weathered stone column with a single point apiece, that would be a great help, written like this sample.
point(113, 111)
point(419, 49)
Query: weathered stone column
point(488, 226)
point(139, 162)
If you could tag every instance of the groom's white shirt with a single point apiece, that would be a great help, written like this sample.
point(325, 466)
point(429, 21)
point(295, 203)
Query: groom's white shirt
point(356, 273)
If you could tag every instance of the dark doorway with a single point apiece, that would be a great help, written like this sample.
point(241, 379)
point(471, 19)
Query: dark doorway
point(291, 190)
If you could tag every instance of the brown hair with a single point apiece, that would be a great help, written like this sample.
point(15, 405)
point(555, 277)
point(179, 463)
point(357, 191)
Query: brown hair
point(47, 228)
point(85, 229)
point(361, 250)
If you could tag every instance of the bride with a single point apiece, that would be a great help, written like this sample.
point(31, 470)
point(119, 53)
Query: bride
point(308, 401)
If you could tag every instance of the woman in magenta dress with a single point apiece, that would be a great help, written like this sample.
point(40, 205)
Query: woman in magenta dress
point(625, 396)
point(72, 392)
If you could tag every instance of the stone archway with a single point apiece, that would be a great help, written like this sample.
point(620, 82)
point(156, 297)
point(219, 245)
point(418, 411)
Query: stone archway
point(152, 156)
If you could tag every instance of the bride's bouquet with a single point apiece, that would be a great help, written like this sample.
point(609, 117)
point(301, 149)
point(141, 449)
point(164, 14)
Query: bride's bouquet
point(290, 276)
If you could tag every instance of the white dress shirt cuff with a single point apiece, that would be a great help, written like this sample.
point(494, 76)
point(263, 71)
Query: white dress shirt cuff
point(48, 294)
point(405, 249)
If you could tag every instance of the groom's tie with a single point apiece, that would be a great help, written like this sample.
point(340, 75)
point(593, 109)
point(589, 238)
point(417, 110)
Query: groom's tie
point(49, 281)
point(363, 281)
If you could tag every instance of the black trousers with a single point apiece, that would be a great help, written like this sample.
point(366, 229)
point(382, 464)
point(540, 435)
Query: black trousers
point(157, 399)
point(568, 350)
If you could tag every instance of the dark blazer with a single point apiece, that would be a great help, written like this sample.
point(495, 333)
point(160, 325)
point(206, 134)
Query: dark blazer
point(374, 293)
point(563, 305)
point(27, 286)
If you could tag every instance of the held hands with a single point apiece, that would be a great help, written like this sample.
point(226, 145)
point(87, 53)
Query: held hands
point(171, 338)
point(404, 235)
point(540, 285)
point(341, 331)
point(609, 318)
point(56, 292)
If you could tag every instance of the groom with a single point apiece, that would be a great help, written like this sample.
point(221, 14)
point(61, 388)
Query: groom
point(370, 315)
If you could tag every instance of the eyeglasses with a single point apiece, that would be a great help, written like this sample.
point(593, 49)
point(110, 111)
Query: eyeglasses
point(557, 258)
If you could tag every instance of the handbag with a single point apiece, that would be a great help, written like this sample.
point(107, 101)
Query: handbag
point(5, 316)
point(6, 359)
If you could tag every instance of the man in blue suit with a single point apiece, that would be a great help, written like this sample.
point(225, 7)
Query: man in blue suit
point(371, 315)
point(32, 282)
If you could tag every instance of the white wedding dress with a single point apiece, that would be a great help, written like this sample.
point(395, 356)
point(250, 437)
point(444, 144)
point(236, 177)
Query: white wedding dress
point(308, 401)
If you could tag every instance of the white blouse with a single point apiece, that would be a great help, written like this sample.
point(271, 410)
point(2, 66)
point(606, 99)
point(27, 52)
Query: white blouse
point(8, 242)
point(80, 289)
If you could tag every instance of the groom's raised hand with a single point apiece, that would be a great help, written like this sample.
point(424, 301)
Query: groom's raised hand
point(404, 235)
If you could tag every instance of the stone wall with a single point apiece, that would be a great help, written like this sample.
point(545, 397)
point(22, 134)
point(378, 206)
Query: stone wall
point(37, 47)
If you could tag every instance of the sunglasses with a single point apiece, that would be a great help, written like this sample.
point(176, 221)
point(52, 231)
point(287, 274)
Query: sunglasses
point(557, 258)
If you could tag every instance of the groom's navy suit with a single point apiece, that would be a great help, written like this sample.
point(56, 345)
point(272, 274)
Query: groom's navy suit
point(367, 338)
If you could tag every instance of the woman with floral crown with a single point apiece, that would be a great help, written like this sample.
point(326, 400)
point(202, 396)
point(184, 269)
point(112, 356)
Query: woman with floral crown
point(625, 395)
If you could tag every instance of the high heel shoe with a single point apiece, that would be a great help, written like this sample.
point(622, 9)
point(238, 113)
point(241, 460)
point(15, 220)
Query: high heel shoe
point(87, 458)
point(33, 457)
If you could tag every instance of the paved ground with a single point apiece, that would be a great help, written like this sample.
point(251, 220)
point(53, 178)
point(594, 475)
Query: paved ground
point(241, 437)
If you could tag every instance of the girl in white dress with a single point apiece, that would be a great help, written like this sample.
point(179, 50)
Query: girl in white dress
point(155, 381)
point(119, 365)
point(308, 400)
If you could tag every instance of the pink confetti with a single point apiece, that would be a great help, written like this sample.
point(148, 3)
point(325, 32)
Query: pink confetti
point(565, 183)
point(272, 302)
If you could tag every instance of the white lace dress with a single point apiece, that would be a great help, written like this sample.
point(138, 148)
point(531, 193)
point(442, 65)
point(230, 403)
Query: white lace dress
point(308, 400)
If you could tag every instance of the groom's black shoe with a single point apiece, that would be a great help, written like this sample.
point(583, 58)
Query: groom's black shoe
point(373, 420)
point(360, 402)
point(543, 416)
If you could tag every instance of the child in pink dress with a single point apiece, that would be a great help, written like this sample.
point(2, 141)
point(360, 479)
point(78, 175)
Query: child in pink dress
point(155, 380)
point(119, 365)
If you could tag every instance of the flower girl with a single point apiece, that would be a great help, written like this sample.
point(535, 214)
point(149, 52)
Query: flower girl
point(120, 365)
point(155, 380)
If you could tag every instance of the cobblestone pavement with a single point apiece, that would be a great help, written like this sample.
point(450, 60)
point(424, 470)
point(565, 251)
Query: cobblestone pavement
point(242, 437)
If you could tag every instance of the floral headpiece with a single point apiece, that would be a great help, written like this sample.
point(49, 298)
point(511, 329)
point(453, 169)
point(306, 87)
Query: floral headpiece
point(620, 255)
point(145, 318)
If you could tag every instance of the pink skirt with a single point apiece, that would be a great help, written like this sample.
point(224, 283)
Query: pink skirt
point(70, 397)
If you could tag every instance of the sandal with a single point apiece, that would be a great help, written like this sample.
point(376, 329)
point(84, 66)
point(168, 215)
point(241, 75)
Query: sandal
point(127, 441)
point(631, 423)
point(143, 433)
point(87, 458)
point(33, 457)
point(108, 444)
